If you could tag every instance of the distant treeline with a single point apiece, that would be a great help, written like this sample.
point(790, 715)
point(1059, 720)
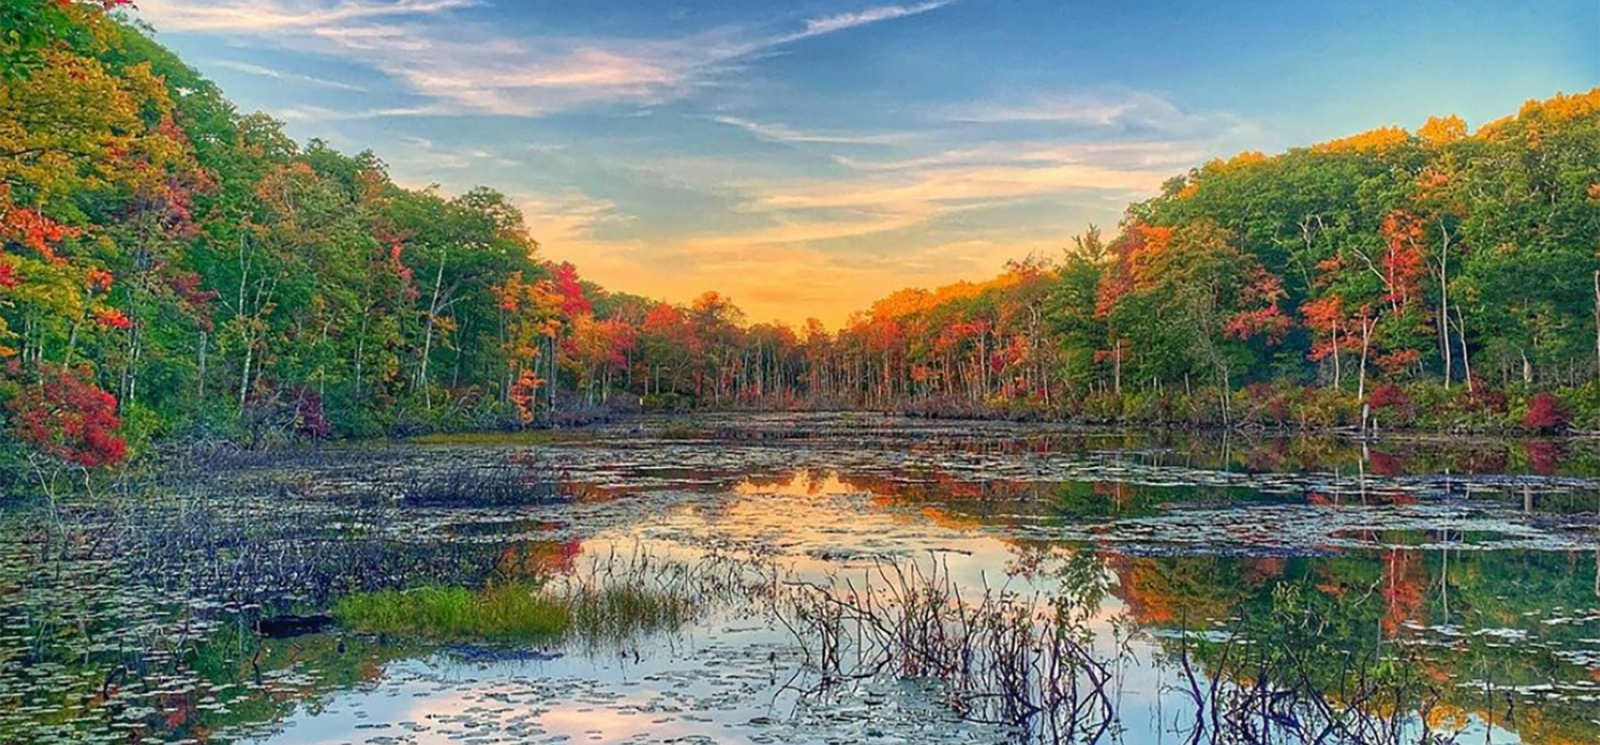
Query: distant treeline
point(173, 269)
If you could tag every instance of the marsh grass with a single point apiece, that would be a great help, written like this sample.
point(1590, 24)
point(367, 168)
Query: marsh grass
point(514, 611)
point(1021, 662)
point(614, 601)
point(615, 615)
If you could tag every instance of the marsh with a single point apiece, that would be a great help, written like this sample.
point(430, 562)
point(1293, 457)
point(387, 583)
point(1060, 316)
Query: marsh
point(818, 578)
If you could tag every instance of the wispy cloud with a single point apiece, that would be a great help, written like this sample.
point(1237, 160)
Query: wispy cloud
point(281, 15)
point(844, 21)
point(473, 66)
point(287, 77)
point(787, 134)
point(322, 114)
point(1114, 109)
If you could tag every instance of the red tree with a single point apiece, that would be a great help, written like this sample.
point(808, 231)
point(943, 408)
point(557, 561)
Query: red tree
point(68, 418)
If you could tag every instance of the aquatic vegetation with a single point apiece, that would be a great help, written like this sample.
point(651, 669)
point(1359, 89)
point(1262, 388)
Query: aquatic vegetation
point(1000, 658)
point(513, 611)
point(1071, 570)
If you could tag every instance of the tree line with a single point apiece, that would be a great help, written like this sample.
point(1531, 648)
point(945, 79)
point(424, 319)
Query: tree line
point(173, 269)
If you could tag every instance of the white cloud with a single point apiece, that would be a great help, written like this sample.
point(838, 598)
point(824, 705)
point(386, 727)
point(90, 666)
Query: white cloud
point(785, 133)
point(280, 15)
point(844, 21)
point(473, 66)
point(287, 77)
point(1101, 109)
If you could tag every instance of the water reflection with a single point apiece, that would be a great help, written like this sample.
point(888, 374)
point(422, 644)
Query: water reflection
point(1447, 593)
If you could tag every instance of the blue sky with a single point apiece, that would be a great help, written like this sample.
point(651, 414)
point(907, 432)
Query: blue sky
point(808, 157)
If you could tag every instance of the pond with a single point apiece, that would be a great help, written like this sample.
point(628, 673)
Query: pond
point(843, 578)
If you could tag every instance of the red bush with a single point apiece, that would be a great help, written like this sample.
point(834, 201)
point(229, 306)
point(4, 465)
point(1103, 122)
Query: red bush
point(68, 418)
point(1546, 414)
point(1388, 396)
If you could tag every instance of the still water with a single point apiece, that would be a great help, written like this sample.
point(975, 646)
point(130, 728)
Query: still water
point(855, 579)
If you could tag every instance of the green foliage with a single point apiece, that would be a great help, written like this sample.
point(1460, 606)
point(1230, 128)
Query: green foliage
point(222, 281)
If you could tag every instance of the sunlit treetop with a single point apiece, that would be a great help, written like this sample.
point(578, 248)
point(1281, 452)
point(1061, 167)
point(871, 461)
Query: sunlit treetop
point(1377, 140)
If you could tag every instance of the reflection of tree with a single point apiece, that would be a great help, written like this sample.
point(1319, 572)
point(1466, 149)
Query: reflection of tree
point(1515, 619)
point(537, 559)
point(1189, 592)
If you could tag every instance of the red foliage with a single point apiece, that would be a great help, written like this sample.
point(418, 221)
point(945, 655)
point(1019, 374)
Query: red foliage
point(1546, 414)
point(573, 302)
point(1398, 361)
point(408, 279)
point(34, 230)
point(100, 279)
point(1262, 316)
point(310, 419)
point(8, 277)
point(1325, 316)
point(112, 318)
point(69, 419)
point(1403, 263)
point(523, 396)
point(1118, 279)
point(1387, 396)
point(187, 286)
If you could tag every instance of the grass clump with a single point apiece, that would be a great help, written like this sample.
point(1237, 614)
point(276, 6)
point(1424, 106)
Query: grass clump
point(515, 611)
point(622, 611)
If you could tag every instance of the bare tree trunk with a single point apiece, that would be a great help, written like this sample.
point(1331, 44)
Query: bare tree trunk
point(1444, 303)
point(1337, 372)
point(427, 335)
point(1597, 321)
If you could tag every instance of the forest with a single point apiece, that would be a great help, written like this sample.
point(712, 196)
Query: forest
point(175, 271)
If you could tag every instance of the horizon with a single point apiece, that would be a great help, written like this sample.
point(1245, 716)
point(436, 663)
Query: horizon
point(808, 164)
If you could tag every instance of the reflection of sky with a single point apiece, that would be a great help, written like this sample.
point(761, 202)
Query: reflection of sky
point(722, 677)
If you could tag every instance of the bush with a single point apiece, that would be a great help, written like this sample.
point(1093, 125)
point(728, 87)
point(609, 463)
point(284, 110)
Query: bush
point(1546, 414)
point(1326, 408)
point(1391, 406)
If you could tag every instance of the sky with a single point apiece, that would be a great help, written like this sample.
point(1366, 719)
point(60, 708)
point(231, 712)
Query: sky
point(808, 157)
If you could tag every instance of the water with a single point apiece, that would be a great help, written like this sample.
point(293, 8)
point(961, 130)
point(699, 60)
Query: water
point(1273, 590)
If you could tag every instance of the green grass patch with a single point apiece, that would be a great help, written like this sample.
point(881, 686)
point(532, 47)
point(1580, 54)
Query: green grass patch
point(518, 612)
point(515, 611)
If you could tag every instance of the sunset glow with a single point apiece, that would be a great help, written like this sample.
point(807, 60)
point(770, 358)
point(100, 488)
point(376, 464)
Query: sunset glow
point(806, 161)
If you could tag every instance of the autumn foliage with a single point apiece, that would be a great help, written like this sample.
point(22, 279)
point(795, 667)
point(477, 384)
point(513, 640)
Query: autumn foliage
point(202, 274)
point(67, 418)
point(1546, 414)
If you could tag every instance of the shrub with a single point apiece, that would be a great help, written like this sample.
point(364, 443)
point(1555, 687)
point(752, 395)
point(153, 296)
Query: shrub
point(68, 418)
point(1546, 414)
point(1391, 406)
